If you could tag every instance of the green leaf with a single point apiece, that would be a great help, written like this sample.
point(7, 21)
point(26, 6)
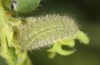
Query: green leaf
point(57, 47)
point(82, 37)
point(21, 7)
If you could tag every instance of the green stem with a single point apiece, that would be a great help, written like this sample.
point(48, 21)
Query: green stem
point(12, 54)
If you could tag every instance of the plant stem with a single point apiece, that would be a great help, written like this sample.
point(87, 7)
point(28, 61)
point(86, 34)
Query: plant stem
point(12, 54)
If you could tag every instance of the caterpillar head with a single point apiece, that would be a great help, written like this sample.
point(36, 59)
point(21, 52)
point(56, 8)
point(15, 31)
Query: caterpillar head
point(21, 6)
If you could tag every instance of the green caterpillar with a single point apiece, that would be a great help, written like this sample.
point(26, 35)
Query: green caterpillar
point(42, 31)
point(21, 6)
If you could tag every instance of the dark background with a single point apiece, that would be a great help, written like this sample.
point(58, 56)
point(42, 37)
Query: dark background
point(87, 15)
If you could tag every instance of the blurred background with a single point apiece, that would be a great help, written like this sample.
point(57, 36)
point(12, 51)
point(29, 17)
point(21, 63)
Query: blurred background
point(87, 15)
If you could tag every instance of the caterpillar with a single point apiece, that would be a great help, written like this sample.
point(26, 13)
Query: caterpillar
point(43, 31)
